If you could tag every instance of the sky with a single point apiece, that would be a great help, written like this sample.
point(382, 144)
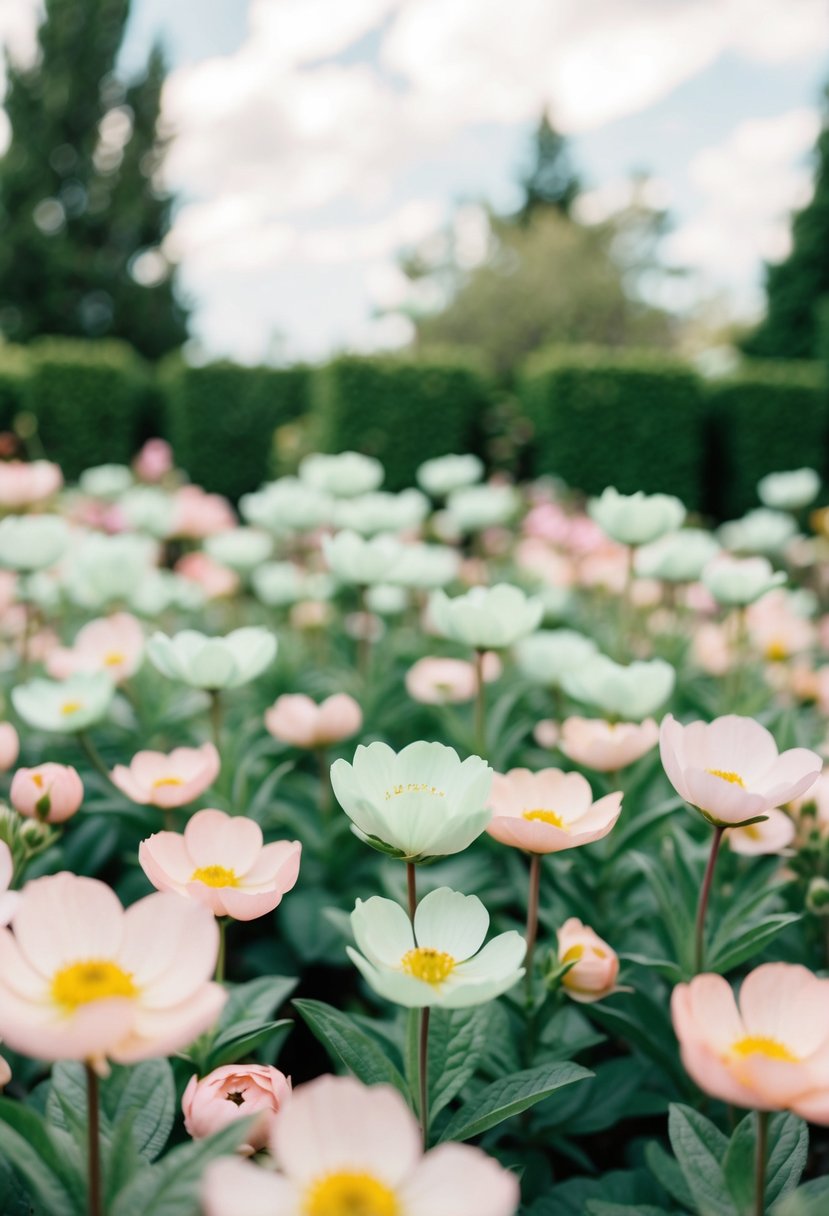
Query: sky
point(312, 139)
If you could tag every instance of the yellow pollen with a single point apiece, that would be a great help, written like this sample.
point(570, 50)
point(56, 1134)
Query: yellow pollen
point(215, 876)
point(546, 817)
point(162, 781)
point(71, 707)
point(38, 780)
point(412, 787)
point(761, 1045)
point(776, 652)
point(573, 954)
point(92, 980)
point(431, 966)
point(114, 658)
point(349, 1193)
point(731, 778)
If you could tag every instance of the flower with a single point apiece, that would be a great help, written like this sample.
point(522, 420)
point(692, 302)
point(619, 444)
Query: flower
point(789, 491)
point(214, 579)
point(213, 663)
point(113, 645)
point(198, 514)
point(298, 720)
point(736, 582)
point(235, 1091)
point(8, 899)
point(105, 480)
point(636, 519)
point(760, 531)
point(50, 792)
point(426, 566)
point(23, 483)
point(443, 474)
point(355, 560)
point(147, 509)
point(241, 549)
point(154, 461)
point(72, 705)
point(595, 965)
point(286, 506)
point(730, 768)
point(607, 746)
point(82, 978)
point(434, 964)
point(156, 779)
point(770, 835)
point(381, 511)
point(474, 508)
point(105, 569)
point(344, 475)
point(32, 542)
point(677, 557)
point(421, 802)
point(548, 811)
point(448, 681)
point(486, 618)
point(770, 1051)
point(221, 861)
point(546, 733)
point(343, 1148)
point(632, 692)
point(9, 746)
point(545, 657)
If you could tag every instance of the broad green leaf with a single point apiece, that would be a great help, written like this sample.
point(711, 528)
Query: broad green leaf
point(255, 1001)
point(39, 1155)
point(598, 1207)
point(788, 1140)
point(509, 1096)
point(457, 1040)
point(811, 1199)
point(171, 1186)
point(725, 955)
point(351, 1046)
point(243, 1040)
point(668, 1174)
point(699, 1148)
point(144, 1094)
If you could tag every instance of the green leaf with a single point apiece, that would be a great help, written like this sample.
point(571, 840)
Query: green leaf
point(171, 1186)
point(668, 1174)
point(255, 1001)
point(725, 955)
point(144, 1094)
point(699, 1148)
point(244, 1039)
point(457, 1040)
point(598, 1207)
point(811, 1199)
point(345, 1042)
point(40, 1157)
point(509, 1096)
point(788, 1139)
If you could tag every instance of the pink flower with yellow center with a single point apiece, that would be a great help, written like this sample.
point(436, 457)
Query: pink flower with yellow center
point(594, 966)
point(157, 779)
point(113, 645)
point(770, 1051)
point(607, 746)
point(222, 862)
point(8, 899)
point(770, 835)
point(82, 978)
point(344, 1149)
point(548, 811)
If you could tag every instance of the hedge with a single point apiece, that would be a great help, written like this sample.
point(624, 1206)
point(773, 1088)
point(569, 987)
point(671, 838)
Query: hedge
point(632, 420)
point(14, 368)
point(766, 418)
point(221, 420)
point(403, 411)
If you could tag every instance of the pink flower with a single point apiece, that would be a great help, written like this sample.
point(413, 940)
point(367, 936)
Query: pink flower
point(215, 580)
point(199, 514)
point(547, 733)
point(816, 799)
point(549, 811)
point(82, 978)
point(8, 899)
point(770, 1052)
point(310, 614)
point(23, 483)
point(5, 1073)
point(235, 1091)
point(9, 746)
point(712, 648)
point(770, 835)
point(50, 792)
point(776, 630)
point(154, 461)
point(114, 645)
point(220, 861)
point(448, 681)
point(595, 964)
point(607, 746)
point(730, 768)
point(296, 719)
point(341, 1146)
point(156, 779)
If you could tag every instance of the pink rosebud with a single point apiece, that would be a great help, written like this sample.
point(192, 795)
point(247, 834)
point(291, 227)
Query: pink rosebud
point(157, 779)
point(23, 483)
point(199, 514)
point(235, 1091)
point(215, 580)
point(296, 719)
point(549, 811)
point(606, 746)
point(154, 461)
point(770, 835)
point(50, 792)
point(546, 733)
point(9, 746)
point(595, 964)
point(448, 681)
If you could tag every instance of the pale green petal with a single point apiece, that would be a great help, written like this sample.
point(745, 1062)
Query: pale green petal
point(382, 930)
point(449, 921)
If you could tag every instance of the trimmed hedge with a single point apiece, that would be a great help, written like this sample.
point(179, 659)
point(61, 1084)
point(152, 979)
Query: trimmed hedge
point(632, 420)
point(403, 411)
point(766, 418)
point(221, 420)
point(14, 368)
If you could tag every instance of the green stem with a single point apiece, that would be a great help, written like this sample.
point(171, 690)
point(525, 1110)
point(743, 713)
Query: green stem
point(760, 1163)
point(216, 718)
point(325, 784)
point(363, 639)
point(411, 885)
point(220, 957)
point(95, 758)
point(93, 1142)
point(532, 922)
point(480, 704)
point(705, 892)
point(424, 1075)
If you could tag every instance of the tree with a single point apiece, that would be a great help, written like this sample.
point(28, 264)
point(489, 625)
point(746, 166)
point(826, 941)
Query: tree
point(797, 288)
point(551, 181)
point(82, 215)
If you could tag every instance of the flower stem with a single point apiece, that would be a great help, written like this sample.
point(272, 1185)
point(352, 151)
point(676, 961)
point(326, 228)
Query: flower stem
point(705, 891)
point(532, 922)
point(480, 704)
point(411, 884)
point(424, 1075)
point(216, 718)
point(760, 1163)
point(93, 1142)
point(220, 957)
point(325, 784)
point(95, 758)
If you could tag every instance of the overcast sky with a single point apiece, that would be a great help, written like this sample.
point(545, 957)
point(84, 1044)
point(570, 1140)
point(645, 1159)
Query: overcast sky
point(313, 138)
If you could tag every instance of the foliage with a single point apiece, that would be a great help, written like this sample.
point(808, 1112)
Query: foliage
point(551, 181)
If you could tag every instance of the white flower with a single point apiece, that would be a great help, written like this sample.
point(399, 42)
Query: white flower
point(444, 474)
point(213, 663)
point(287, 505)
point(737, 582)
point(105, 480)
point(419, 803)
point(32, 542)
point(160, 590)
point(148, 509)
point(242, 549)
point(546, 656)
point(280, 583)
point(370, 514)
point(426, 566)
point(438, 963)
point(386, 599)
point(631, 693)
point(344, 475)
point(760, 531)
point(789, 491)
point(362, 562)
point(678, 557)
point(478, 507)
point(486, 618)
point(636, 519)
point(104, 569)
point(70, 705)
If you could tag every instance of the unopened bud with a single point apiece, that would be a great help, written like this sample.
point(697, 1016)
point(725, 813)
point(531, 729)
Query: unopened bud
point(817, 897)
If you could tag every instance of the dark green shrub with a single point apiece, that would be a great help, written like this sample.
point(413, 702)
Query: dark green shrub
point(403, 411)
point(631, 420)
point(14, 368)
point(221, 420)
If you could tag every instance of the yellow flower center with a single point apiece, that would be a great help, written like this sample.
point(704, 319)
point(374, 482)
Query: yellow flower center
point(431, 966)
point(71, 707)
point(413, 787)
point(92, 980)
point(114, 658)
point(546, 817)
point(776, 652)
point(37, 779)
point(731, 778)
point(762, 1045)
point(215, 876)
point(348, 1193)
point(573, 954)
point(162, 781)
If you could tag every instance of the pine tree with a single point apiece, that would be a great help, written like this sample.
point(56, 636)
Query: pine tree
point(551, 181)
point(798, 287)
point(81, 215)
